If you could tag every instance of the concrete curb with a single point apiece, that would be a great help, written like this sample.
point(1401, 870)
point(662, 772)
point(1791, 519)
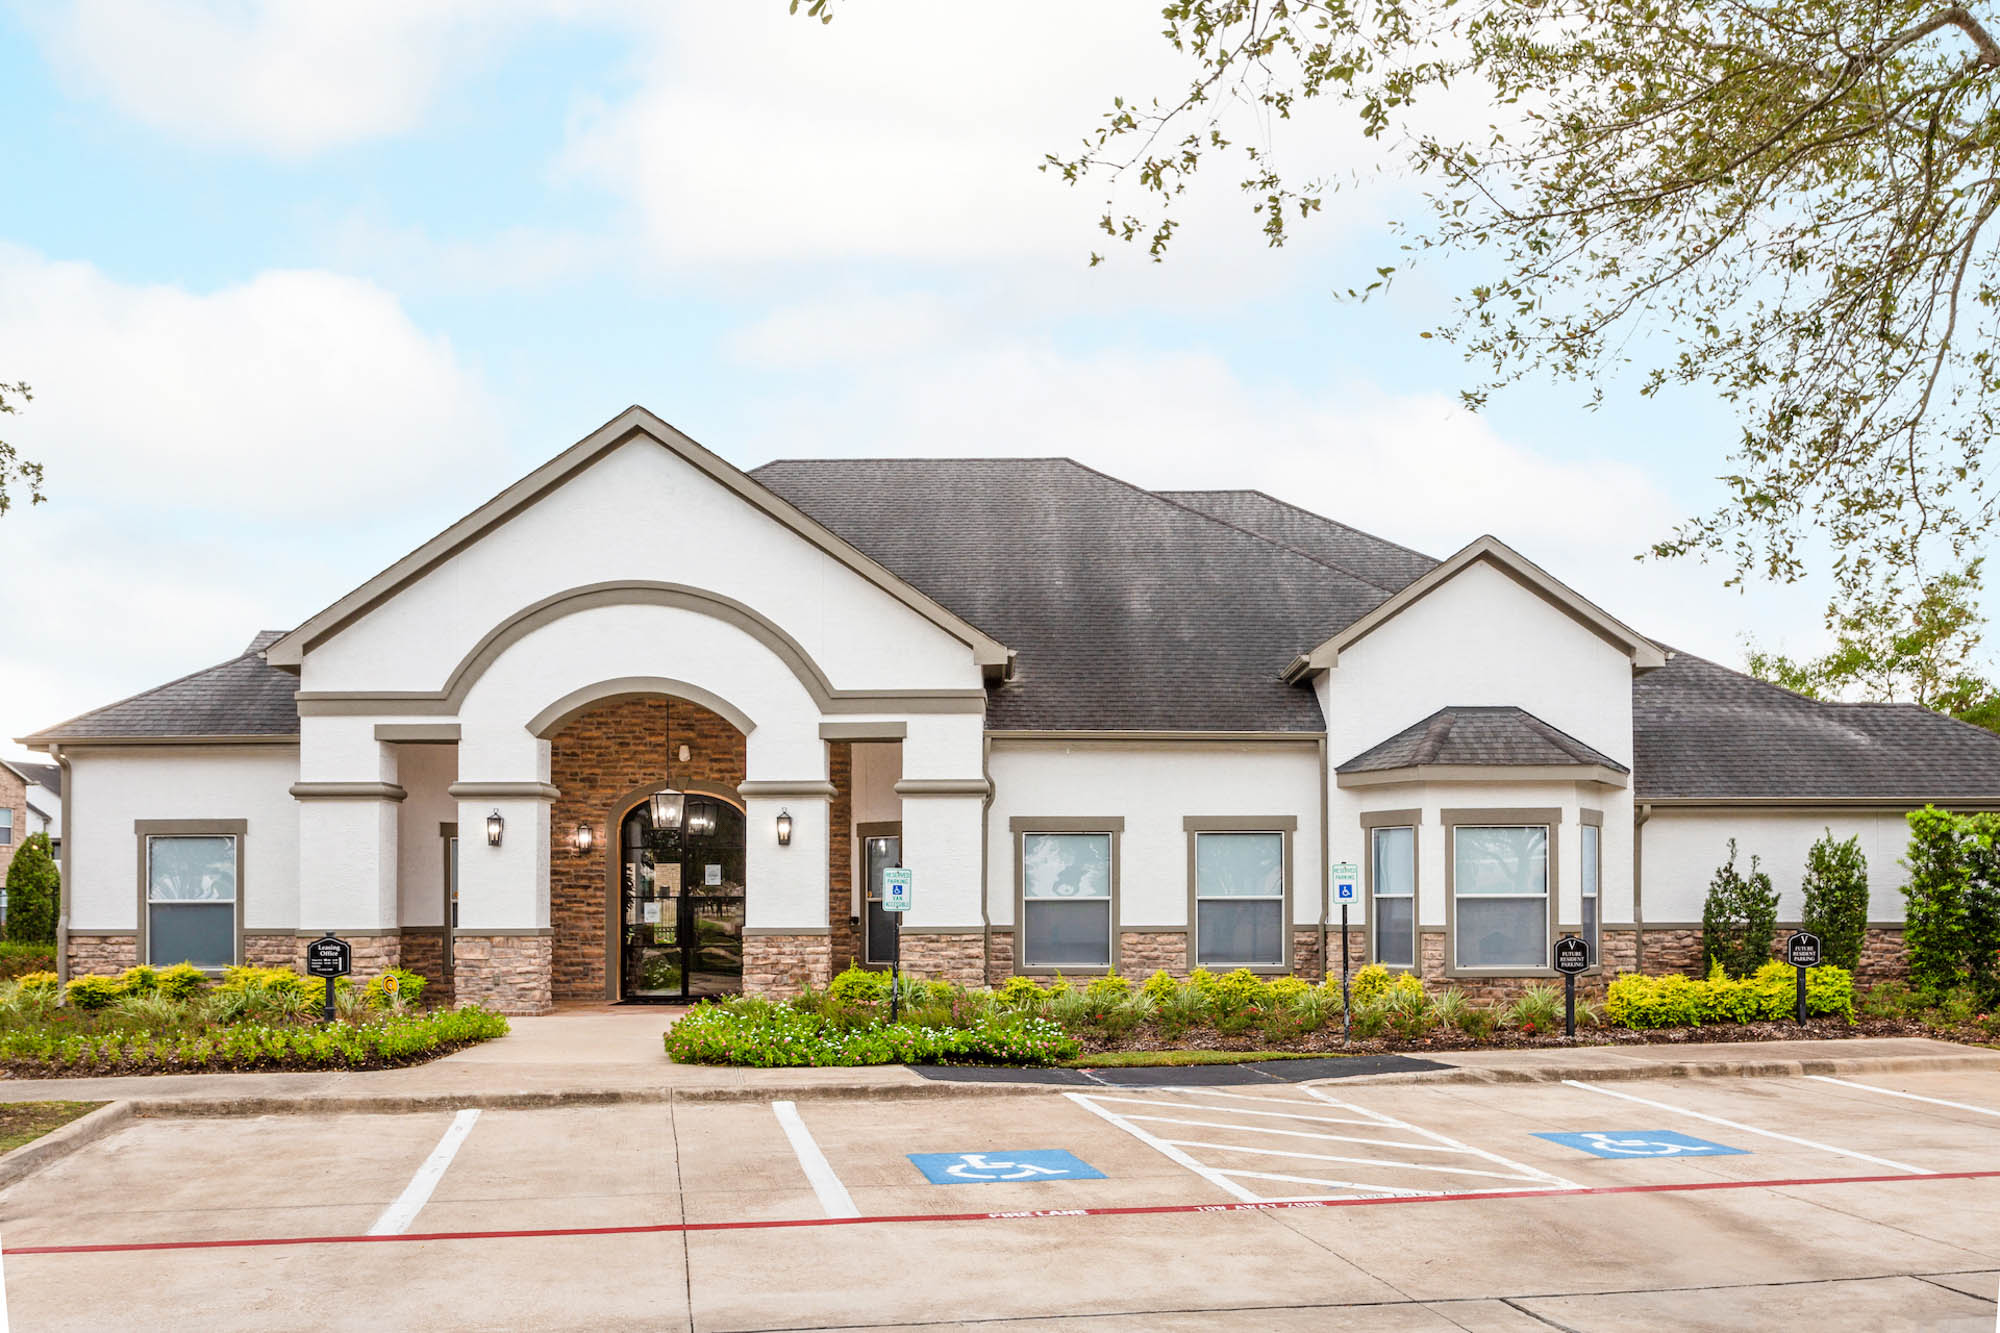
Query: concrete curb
point(61, 1142)
point(557, 1099)
point(1837, 1066)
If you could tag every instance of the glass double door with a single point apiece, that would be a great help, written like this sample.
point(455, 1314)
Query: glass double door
point(681, 921)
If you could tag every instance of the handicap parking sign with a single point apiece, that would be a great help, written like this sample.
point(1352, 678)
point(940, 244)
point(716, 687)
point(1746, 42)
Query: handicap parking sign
point(1642, 1143)
point(993, 1168)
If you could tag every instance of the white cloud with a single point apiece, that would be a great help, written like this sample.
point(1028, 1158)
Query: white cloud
point(215, 461)
point(278, 75)
point(1415, 468)
point(294, 391)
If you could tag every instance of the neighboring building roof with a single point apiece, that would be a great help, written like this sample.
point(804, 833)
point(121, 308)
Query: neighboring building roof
point(1382, 563)
point(46, 776)
point(1479, 737)
point(243, 697)
point(1129, 612)
point(1703, 731)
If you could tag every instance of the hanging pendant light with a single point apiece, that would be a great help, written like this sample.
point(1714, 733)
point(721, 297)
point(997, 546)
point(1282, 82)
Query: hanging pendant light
point(669, 805)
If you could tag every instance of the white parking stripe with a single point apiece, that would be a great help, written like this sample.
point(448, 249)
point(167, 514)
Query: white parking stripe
point(1749, 1129)
point(1390, 1121)
point(1891, 1092)
point(1361, 1161)
point(1237, 1110)
point(833, 1196)
point(1290, 1133)
point(1330, 1184)
point(396, 1218)
point(1165, 1149)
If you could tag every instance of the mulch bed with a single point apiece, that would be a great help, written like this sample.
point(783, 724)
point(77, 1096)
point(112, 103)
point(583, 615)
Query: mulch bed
point(1328, 1039)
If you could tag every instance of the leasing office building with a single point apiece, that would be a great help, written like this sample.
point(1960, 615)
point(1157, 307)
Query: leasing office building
point(646, 726)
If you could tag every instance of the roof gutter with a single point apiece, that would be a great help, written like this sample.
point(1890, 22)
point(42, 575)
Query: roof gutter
point(62, 870)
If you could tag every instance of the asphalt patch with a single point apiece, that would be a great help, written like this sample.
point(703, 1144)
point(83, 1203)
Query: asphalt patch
point(1185, 1076)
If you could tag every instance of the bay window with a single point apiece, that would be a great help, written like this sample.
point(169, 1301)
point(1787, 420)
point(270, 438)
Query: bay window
point(1501, 881)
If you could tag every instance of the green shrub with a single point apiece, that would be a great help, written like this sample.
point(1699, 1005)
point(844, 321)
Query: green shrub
point(34, 890)
point(1184, 1008)
point(1836, 898)
point(47, 981)
point(384, 1041)
point(1739, 918)
point(1369, 1020)
point(1110, 984)
point(409, 989)
point(1160, 985)
point(1953, 1008)
point(1282, 990)
point(714, 1034)
point(1203, 980)
point(1888, 999)
point(1952, 902)
point(182, 981)
point(1449, 1007)
point(1375, 983)
point(93, 992)
point(1478, 1022)
point(1410, 1012)
point(18, 958)
point(1538, 1009)
point(859, 985)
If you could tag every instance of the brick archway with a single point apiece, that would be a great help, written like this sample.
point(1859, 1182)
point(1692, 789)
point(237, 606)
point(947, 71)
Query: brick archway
point(603, 752)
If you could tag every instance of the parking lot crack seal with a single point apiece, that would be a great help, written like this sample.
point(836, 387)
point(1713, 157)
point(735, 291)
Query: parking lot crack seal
point(1513, 1303)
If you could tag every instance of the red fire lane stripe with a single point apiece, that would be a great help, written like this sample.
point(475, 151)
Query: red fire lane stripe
point(1142, 1210)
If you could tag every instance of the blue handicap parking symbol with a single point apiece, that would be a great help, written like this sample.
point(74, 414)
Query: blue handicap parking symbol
point(992, 1168)
point(1642, 1143)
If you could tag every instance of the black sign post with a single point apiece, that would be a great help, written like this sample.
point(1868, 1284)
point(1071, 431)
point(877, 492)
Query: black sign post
point(1346, 1004)
point(331, 958)
point(1572, 957)
point(1802, 951)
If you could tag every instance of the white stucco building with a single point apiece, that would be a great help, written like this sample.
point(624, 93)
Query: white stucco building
point(646, 726)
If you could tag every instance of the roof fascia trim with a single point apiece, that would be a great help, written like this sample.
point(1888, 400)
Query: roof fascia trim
point(1810, 803)
point(1644, 653)
point(42, 740)
point(1384, 777)
point(288, 653)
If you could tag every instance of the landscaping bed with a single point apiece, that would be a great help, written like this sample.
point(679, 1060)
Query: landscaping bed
point(1239, 1015)
point(24, 1122)
point(175, 1021)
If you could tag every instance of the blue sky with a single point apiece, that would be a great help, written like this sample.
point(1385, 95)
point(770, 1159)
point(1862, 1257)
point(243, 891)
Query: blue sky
point(298, 285)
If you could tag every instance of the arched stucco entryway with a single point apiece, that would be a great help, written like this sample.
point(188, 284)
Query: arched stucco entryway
point(602, 759)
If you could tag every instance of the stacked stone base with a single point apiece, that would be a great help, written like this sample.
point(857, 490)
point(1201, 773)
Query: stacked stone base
point(1144, 952)
point(101, 953)
point(781, 965)
point(510, 973)
point(373, 954)
point(959, 958)
point(1000, 957)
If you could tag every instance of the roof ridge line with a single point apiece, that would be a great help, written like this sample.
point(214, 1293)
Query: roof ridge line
point(1314, 513)
point(1158, 498)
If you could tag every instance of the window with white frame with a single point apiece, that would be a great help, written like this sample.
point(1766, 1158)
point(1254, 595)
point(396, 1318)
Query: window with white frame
point(1066, 900)
point(1392, 882)
point(6, 826)
point(1500, 896)
point(1587, 875)
point(191, 899)
point(1239, 892)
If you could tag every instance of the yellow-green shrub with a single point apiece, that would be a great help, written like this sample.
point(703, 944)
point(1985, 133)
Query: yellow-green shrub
point(409, 986)
point(1635, 1001)
point(39, 981)
point(93, 992)
point(140, 980)
point(1376, 983)
point(182, 981)
point(1108, 986)
point(1237, 991)
point(1020, 992)
point(1160, 985)
point(1286, 988)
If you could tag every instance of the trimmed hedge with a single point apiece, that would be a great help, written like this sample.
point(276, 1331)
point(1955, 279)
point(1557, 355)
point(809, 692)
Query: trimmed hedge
point(1769, 993)
point(402, 1039)
point(768, 1036)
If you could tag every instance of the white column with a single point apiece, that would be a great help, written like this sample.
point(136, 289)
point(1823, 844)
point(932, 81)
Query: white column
point(787, 885)
point(347, 796)
point(941, 826)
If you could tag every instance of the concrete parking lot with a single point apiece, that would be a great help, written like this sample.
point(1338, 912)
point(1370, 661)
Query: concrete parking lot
point(1864, 1203)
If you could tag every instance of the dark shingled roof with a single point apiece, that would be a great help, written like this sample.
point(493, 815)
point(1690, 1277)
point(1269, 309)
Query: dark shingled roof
point(1178, 611)
point(1129, 612)
point(1501, 737)
point(240, 697)
point(1382, 563)
point(1704, 730)
point(47, 776)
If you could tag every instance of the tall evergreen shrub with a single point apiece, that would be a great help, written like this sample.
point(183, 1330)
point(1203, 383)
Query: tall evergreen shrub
point(1952, 912)
point(1836, 890)
point(1739, 919)
point(33, 887)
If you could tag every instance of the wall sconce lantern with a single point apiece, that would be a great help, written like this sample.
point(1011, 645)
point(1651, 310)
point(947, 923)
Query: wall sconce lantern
point(784, 828)
point(583, 839)
point(494, 824)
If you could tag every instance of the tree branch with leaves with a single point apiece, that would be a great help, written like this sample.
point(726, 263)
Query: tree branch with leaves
point(17, 472)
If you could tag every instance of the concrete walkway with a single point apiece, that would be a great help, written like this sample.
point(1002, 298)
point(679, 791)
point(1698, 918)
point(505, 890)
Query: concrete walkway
point(606, 1054)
